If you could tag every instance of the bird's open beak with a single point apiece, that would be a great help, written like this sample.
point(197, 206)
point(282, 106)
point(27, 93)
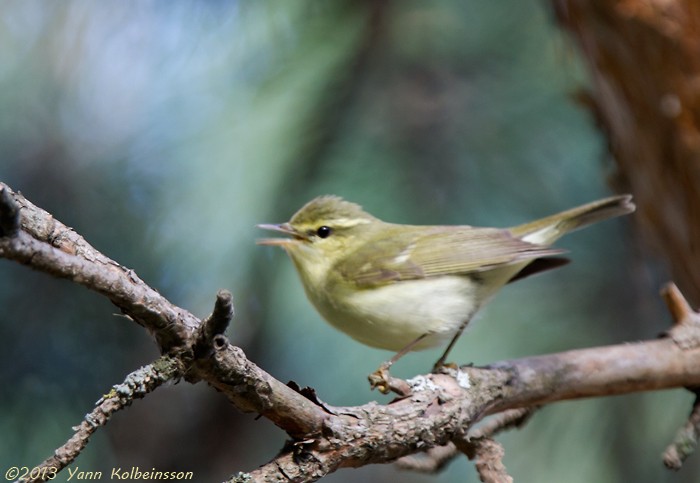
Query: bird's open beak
point(285, 228)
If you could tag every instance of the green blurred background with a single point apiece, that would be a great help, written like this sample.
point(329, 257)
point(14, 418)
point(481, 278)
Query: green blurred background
point(163, 131)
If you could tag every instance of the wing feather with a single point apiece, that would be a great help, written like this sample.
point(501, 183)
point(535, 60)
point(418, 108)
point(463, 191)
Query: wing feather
point(422, 252)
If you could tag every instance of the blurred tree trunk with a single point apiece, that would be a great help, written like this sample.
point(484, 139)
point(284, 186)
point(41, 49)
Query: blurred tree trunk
point(644, 61)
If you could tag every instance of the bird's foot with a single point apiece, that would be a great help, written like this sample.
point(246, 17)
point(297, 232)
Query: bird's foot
point(441, 367)
point(382, 380)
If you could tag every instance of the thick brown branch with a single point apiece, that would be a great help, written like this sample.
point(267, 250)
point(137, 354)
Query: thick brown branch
point(46, 245)
point(169, 324)
point(440, 411)
point(253, 390)
point(603, 371)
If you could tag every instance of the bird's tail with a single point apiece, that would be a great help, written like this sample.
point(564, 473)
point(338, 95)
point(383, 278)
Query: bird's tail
point(546, 230)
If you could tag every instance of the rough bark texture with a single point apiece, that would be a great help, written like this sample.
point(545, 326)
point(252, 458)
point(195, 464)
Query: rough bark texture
point(438, 413)
point(644, 62)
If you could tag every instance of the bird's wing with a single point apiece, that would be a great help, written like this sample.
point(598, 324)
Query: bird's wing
point(435, 251)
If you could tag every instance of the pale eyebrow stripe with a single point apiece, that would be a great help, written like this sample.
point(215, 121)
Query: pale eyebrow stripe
point(349, 222)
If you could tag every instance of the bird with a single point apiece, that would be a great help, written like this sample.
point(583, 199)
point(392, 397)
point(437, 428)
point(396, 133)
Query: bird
point(411, 287)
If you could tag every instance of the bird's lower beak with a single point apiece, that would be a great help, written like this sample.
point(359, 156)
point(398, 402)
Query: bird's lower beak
point(282, 228)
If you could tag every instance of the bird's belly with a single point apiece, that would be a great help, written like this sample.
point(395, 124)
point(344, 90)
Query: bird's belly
point(392, 316)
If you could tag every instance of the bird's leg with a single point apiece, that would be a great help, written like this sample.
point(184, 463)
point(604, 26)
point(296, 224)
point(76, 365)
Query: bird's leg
point(441, 361)
point(385, 382)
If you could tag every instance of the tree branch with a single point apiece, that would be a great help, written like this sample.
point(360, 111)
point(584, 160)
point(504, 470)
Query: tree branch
point(487, 455)
point(686, 439)
point(436, 458)
point(251, 389)
point(439, 412)
point(135, 386)
point(441, 409)
point(47, 245)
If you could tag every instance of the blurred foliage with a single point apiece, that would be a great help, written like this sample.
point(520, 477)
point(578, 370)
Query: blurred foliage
point(163, 131)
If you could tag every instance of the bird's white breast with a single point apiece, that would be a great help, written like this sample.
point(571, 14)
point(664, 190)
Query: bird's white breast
point(392, 316)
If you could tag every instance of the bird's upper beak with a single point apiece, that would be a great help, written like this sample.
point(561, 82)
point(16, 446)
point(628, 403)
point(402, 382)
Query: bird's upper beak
point(282, 228)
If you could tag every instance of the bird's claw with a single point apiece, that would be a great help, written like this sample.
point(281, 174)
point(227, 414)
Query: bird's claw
point(440, 367)
point(382, 380)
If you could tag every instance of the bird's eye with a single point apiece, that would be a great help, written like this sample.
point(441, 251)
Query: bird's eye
point(323, 231)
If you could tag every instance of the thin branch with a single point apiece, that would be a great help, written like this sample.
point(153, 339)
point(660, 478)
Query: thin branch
point(686, 334)
point(219, 319)
point(686, 439)
point(685, 331)
point(677, 304)
point(135, 386)
point(435, 459)
point(509, 419)
point(431, 461)
point(487, 455)
point(214, 325)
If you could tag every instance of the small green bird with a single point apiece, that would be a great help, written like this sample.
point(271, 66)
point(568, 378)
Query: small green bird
point(407, 287)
